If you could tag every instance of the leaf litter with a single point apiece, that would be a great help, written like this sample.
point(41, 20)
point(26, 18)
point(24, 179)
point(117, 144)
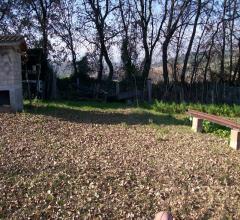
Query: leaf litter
point(56, 168)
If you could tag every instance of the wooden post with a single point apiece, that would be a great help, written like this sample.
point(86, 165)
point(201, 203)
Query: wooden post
point(212, 94)
point(78, 83)
point(197, 124)
point(54, 86)
point(149, 90)
point(117, 89)
point(235, 139)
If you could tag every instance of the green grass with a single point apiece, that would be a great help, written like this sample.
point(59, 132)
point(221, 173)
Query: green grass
point(158, 107)
point(230, 111)
point(83, 105)
point(174, 108)
point(209, 127)
point(112, 113)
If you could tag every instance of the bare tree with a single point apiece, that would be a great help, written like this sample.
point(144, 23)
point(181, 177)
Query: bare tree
point(5, 7)
point(151, 27)
point(98, 12)
point(179, 45)
point(175, 12)
point(223, 48)
point(128, 37)
point(201, 50)
point(42, 11)
point(66, 27)
point(198, 12)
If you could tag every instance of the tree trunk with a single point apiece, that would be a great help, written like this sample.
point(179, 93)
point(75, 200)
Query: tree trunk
point(191, 43)
point(146, 67)
point(74, 63)
point(109, 63)
point(105, 53)
point(179, 42)
point(165, 61)
point(237, 67)
point(222, 65)
point(74, 59)
point(44, 68)
point(231, 43)
point(100, 68)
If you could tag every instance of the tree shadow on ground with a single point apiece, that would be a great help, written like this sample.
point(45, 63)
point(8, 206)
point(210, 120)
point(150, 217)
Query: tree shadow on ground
point(108, 118)
point(92, 104)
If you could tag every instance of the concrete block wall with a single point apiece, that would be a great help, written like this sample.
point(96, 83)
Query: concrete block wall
point(11, 76)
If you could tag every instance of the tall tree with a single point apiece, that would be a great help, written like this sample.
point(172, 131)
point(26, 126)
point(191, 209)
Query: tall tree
point(201, 50)
point(66, 27)
point(223, 46)
point(195, 24)
point(99, 12)
point(5, 7)
point(175, 12)
point(42, 11)
point(151, 27)
point(129, 36)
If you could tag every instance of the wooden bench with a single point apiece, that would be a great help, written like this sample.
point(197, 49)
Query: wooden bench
point(198, 118)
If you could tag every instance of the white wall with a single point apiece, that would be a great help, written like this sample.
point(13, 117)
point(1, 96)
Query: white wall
point(11, 75)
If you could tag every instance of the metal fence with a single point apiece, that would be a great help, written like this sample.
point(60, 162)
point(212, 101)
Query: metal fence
point(199, 92)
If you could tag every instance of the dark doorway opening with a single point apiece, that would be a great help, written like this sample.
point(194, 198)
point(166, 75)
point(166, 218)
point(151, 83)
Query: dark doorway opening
point(4, 98)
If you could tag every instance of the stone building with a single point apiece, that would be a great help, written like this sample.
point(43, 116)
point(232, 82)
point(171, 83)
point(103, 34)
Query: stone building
point(11, 50)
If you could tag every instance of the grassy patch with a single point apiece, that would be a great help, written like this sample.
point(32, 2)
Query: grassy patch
point(106, 113)
point(83, 105)
point(219, 130)
point(174, 108)
point(230, 111)
point(148, 114)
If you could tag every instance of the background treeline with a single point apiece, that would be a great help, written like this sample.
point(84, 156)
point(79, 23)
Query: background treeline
point(192, 47)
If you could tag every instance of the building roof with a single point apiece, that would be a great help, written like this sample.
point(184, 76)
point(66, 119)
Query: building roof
point(13, 40)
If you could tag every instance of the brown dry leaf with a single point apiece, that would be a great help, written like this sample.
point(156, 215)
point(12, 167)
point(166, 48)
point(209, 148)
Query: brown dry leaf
point(113, 165)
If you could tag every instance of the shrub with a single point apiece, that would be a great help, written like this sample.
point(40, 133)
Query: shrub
point(174, 108)
point(221, 131)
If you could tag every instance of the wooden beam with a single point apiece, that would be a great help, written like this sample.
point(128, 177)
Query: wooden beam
point(214, 119)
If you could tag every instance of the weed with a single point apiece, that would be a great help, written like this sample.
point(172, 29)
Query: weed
point(174, 108)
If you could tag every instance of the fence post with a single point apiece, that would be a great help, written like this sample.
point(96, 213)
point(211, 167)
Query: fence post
point(117, 89)
point(212, 93)
point(54, 86)
point(78, 83)
point(149, 90)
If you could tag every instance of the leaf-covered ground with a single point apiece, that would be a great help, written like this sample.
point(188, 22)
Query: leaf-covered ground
point(114, 164)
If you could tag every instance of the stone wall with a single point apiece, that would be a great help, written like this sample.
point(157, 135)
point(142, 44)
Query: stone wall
point(11, 76)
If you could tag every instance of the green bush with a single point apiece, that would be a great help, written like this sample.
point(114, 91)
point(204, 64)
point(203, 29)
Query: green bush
point(221, 131)
point(208, 127)
point(174, 108)
point(169, 108)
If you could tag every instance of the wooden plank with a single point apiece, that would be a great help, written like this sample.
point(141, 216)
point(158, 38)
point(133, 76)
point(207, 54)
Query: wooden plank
point(214, 119)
